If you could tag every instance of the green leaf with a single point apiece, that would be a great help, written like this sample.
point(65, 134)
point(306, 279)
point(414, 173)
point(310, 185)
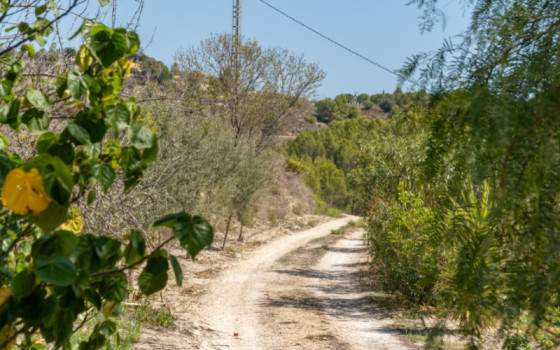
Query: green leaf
point(108, 251)
point(114, 287)
point(39, 10)
point(36, 121)
point(194, 233)
point(37, 99)
point(93, 124)
point(104, 174)
point(154, 276)
point(54, 216)
point(3, 142)
point(130, 160)
point(30, 49)
point(107, 45)
point(78, 133)
point(37, 307)
point(77, 84)
point(65, 243)
point(149, 155)
point(63, 325)
point(55, 270)
point(104, 2)
point(91, 196)
point(63, 151)
point(6, 91)
point(45, 141)
point(168, 220)
point(54, 8)
point(134, 43)
point(135, 249)
point(61, 85)
point(23, 283)
point(61, 243)
point(118, 117)
point(141, 137)
point(9, 114)
point(177, 270)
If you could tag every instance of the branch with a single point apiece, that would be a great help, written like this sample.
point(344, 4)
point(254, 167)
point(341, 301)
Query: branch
point(520, 138)
point(25, 232)
point(28, 38)
point(139, 262)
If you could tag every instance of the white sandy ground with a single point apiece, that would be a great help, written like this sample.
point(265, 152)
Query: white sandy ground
point(347, 304)
point(235, 301)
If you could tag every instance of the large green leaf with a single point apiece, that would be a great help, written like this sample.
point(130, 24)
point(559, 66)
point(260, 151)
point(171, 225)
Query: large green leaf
point(131, 160)
point(37, 99)
point(63, 325)
point(23, 283)
point(118, 117)
point(141, 137)
point(107, 45)
point(65, 243)
point(6, 91)
point(114, 287)
point(77, 83)
point(104, 174)
point(54, 216)
point(177, 270)
point(45, 141)
point(78, 133)
point(9, 114)
point(55, 270)
point(154, 276)
point(36, 307)
point(135, 249)
point(93, 125)
point(168, 220)
point(37, 121)
point(194, 233)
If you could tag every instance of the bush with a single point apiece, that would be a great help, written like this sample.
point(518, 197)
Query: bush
point(368, 105)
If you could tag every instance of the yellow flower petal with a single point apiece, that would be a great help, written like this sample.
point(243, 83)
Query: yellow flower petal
point(23, 192)
point(6, 333)
point(5, 294)
point(73, 225)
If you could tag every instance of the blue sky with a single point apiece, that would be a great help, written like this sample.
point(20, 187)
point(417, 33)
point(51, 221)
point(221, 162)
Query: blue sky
point(385, 31)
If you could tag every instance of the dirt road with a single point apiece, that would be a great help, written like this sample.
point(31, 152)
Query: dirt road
point(263, 303)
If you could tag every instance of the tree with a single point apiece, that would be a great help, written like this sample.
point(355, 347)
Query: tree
point(362, 98)
point(386, 105)
point(367, 105)
point(490, 168)
point(257, 89)
point(78, 133)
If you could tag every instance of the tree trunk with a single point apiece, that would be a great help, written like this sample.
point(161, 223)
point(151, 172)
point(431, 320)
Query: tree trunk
point(240, 238)
point(227, 231)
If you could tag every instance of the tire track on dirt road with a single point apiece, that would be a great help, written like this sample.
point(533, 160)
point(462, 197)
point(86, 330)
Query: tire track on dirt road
point(235, 302)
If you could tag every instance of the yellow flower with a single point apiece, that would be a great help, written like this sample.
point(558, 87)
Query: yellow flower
point(128, 65)
point(23, 192)
point(73, 225)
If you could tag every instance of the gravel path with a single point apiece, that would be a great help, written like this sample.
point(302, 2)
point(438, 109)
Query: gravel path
point(347, 304)
point(236, 311)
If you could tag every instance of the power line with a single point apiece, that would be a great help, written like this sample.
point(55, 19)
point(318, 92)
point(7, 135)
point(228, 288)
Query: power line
point(338, 43)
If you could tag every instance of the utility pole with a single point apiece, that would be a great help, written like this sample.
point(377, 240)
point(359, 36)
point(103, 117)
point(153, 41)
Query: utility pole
point(235, 48)
point(236, 32)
